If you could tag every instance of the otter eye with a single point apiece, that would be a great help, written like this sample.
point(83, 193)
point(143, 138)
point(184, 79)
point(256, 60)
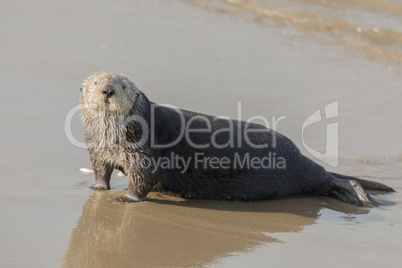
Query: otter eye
point(80, 89)
point(96, 83)
point(124, 87)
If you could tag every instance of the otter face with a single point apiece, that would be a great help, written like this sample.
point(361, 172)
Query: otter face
point(110, 93)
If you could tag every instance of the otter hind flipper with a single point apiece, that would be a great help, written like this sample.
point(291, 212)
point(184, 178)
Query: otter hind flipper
point(349, 191)
point(368, 185)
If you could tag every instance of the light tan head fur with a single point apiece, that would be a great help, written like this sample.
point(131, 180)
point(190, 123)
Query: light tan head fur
point(94, 99)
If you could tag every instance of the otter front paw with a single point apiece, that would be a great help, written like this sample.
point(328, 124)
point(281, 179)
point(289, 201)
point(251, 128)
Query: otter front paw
point(130, 199)
point(98, 186)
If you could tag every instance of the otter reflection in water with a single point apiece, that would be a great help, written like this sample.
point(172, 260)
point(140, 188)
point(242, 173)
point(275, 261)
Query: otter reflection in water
point(170, 231)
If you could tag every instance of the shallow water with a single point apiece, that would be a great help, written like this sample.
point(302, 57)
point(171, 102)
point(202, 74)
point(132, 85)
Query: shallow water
point(203, 59)
point(373, 27)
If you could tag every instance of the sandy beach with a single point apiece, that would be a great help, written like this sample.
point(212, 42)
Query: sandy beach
point(278, 58)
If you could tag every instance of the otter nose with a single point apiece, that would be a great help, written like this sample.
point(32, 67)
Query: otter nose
point(108, 90)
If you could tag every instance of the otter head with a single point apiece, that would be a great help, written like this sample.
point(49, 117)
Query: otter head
point(109, 93)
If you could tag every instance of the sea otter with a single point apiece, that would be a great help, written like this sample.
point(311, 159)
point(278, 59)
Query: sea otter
point(195, 155)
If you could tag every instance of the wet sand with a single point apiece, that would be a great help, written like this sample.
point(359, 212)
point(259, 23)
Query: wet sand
point(202, 58)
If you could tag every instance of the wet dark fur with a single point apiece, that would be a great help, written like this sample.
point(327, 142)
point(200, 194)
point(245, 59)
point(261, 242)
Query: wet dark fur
point(301, 176)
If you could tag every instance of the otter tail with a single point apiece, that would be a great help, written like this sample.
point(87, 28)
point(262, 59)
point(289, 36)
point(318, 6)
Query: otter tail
point(367, 185)
point(349, 191)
